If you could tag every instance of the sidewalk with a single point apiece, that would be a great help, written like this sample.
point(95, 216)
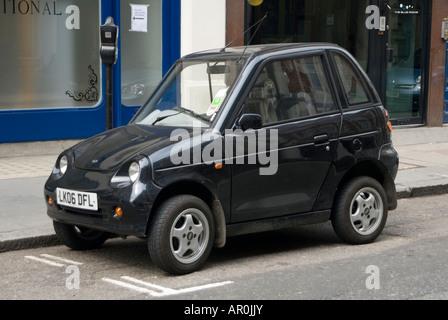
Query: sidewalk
point(24, 168)
point(423, 161)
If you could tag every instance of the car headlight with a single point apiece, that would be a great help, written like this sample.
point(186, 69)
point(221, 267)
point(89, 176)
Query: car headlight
point(134, 171)
point(126, 176)
point(130, 172)
point(418, 84)
point(418, 79)
point(63, 163)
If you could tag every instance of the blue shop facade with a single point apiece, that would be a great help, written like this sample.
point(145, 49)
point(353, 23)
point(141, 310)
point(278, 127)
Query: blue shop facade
point(52, 79)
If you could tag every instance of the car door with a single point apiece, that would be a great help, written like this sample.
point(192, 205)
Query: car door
point(360, 125)
point(279, 168)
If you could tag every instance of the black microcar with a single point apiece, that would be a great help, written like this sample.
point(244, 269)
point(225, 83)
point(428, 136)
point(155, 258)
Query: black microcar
point(234, 141)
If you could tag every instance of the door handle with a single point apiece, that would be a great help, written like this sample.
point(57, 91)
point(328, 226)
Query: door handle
point(321, 139)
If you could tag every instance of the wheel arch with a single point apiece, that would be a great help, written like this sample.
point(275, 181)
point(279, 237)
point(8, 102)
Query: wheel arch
point(377, 171)
point(202, 192)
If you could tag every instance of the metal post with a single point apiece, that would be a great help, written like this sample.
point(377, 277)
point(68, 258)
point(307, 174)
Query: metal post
point(108, 53)
point(445, 100)
point(109, 97)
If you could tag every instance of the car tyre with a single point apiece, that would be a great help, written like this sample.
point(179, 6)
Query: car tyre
point(79, 238)
point(181, 234)
point(360, 211)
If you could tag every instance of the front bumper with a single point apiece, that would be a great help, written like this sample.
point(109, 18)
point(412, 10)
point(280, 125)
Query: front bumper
point(135, 200)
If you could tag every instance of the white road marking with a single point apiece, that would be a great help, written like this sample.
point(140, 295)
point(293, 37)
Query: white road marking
point(205, 286)
point(151, 285)
point(52, 263)
point(163, 292)
point(61, 259)
point(131, 286)
point(132, 283)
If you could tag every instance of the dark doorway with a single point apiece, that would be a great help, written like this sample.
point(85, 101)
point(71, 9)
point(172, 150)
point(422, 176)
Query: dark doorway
point(393, 56)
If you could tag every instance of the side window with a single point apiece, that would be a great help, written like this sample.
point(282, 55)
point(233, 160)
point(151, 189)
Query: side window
point(351, 84)
point(291, 89)
point(263, 97)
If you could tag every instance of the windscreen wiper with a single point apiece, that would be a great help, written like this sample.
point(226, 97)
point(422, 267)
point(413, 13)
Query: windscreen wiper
point(192, 113)
point(164, 117)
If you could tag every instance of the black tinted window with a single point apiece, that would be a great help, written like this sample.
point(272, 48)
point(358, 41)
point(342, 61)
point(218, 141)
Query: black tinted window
point(291, 89)
point(351, 83)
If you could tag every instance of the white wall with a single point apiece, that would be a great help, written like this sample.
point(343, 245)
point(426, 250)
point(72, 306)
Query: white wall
point(203, 25)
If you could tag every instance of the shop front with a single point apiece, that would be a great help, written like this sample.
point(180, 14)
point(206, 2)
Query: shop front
point(52, 79)
point(388, 38)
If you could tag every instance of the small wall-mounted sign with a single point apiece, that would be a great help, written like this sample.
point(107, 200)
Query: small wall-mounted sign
point(139, 17)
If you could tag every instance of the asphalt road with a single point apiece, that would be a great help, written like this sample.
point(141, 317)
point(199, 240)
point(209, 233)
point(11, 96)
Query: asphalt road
point(408, 261)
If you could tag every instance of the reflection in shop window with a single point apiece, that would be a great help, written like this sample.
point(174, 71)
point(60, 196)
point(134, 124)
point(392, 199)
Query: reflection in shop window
point(49, 54)
point(404, 68)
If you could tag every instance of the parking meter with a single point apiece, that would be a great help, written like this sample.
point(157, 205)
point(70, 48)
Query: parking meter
point(109, 54)
point(109, 38)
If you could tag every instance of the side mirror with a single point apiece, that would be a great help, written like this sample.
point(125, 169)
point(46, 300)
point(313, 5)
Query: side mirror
point(249, 121)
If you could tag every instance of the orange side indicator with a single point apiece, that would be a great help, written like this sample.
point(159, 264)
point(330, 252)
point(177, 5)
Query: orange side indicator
point(218, 166)
point(118, 211)
point(389, 126)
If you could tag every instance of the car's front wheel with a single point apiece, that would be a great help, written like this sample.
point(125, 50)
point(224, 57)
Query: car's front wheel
point(181, 234)
point(79, 238)
point(360, 211)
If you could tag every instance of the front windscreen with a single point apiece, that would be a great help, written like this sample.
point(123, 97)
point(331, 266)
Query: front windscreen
point(191, 94)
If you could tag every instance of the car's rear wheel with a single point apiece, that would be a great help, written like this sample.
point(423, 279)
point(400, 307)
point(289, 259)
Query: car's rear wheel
point(79, 238)
point(360, 211)
point(181, 234)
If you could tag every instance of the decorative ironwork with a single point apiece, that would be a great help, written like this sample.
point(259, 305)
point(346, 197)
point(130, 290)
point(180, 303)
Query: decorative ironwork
point(91, 93)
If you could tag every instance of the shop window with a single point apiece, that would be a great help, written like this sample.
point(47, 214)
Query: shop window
point(404, 65)
point(49, 54)
point(336, 21)
point(141, 50)
point(290, 89)
point(352, 85)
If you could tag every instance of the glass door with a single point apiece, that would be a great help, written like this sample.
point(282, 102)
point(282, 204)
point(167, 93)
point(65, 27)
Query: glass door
point(404, 99)
point(141, 50)
point(149, 44)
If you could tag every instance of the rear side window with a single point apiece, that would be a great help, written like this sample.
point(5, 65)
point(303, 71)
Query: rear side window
point(354, 91)
point(291, 89)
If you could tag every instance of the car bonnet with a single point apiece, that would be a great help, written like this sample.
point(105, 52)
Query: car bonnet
point(111, 149)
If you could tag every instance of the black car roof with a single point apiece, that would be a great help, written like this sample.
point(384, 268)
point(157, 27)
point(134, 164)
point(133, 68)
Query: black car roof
point(257, 50)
